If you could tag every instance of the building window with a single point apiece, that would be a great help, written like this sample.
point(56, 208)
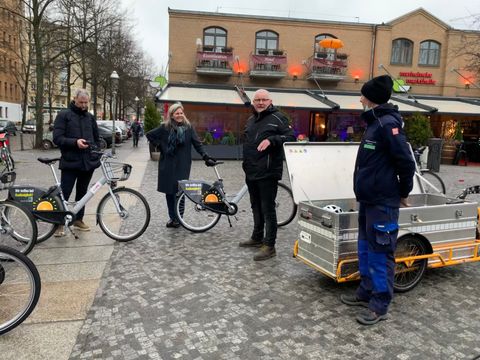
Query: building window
point(1, 111)
point(214, 39)
point(265, 42)
point(321, 52)
point(402, 51)
point(429, 53)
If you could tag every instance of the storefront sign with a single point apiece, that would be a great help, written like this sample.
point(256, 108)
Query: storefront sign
point(421, 78)
point(214, 56)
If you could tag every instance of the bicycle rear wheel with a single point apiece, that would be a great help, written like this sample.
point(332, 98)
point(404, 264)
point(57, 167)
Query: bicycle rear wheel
point(45, 230)
point(194, 217)
point(18, 229)
point(284, 205)
point(133, 219)
point(19, 288)
point(432, 183)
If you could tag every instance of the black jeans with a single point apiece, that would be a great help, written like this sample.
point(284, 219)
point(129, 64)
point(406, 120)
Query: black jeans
point(135, 140)
point(171, 200)
point(82, 178)
point(262, 198)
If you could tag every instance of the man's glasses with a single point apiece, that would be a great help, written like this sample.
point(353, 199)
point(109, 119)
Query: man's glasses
point(260, 100)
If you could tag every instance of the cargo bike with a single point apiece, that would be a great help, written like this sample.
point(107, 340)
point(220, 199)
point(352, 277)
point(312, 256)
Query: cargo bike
point(435, 231)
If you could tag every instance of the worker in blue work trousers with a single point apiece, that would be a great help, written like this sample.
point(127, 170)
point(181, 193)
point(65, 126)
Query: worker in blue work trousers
point(383, 178)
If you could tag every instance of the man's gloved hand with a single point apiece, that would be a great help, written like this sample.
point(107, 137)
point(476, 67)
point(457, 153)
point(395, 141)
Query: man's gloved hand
point(209, 161)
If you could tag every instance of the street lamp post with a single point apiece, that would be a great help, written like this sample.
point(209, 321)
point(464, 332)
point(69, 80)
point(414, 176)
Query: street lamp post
point(114, 78)
point(137, 101)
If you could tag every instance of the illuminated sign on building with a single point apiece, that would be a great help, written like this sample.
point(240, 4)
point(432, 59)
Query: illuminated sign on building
point(421, 78)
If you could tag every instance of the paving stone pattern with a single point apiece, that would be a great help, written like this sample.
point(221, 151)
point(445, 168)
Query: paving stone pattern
point(172, 294)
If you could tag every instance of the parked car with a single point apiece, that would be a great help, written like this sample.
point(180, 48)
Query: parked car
point(29, 127)
point(120, 125)
point(8, 127)
point(105, 131)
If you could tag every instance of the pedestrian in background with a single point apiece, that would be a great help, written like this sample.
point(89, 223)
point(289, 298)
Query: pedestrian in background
point(266, 131)
point(175, 138)
point(74, 131)
point(136, 128)
point(383, 178)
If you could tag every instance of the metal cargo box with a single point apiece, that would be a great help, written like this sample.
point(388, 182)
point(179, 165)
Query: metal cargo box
point(321, 176)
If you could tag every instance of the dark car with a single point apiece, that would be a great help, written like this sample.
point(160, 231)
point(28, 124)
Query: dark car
point(105, 132)
point(8, 127)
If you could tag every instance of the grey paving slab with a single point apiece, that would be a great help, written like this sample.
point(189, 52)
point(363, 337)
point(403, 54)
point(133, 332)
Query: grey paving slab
point(43, 256)
point(71, 272)
point(40, 341)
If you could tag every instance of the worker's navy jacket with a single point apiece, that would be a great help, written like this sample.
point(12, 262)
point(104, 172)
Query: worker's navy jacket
point(385, 167)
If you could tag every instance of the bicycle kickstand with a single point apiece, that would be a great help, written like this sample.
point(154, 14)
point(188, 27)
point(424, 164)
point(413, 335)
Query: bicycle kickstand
point(71, 230)
point(229, 221)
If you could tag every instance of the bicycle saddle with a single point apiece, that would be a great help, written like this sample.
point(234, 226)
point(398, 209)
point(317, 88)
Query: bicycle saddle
point(47, 160)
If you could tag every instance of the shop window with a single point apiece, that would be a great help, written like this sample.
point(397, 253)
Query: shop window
point(402, 52)
point(321, 52)
point(266, 42)
point(214, 39)
point(429, 53)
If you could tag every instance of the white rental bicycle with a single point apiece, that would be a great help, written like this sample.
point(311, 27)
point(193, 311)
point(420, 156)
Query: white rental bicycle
point(123, 213)
point(200, 204)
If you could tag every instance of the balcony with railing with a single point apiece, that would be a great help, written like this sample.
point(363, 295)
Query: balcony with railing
point(327, 66)
point(268, 64)
point(214, 61)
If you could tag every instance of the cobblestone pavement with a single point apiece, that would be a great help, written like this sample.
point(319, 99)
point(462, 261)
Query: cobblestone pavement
point(172, 294)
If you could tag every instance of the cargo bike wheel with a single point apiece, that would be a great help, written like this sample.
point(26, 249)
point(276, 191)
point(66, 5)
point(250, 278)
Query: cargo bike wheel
point(409, 273)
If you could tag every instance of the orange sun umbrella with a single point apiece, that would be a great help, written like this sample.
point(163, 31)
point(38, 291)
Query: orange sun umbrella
point(331, 43)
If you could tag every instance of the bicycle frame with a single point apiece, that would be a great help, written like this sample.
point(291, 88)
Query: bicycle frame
point(76, 206)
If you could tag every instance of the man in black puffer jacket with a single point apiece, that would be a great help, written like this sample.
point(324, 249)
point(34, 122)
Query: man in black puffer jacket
point(266, 131)
point(383, 178)
point(74, 130)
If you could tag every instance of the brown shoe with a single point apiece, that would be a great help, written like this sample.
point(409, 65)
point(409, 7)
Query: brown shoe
point(250, 243)
point(80, 225)
point(265, 252)
point(59, 232)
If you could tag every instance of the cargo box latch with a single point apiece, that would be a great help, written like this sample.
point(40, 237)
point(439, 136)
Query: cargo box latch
point(326, 220)
point(306, 214)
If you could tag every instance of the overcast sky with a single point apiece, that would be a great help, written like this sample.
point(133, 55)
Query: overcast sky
point(150, 17)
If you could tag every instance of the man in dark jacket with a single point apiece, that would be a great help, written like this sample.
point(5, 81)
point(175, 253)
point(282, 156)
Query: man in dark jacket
point(75, 129)
point(267, 129)
point(383, 178)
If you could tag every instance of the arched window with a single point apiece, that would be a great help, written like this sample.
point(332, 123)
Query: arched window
point(321, 52)
point(429, 53)
point(214, 39)
point(402, 52)
point(265, 42)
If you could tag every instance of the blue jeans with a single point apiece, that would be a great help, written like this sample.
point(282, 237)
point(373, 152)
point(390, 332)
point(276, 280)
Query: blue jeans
point(262, 199)
point(377, 241)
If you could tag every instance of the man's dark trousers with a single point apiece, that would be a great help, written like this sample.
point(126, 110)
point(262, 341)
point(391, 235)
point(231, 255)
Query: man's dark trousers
point(262, 198)
point(68, 181)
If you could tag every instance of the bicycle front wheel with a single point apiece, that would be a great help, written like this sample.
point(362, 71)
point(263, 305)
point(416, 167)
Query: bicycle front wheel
point(130, 222)
point(285, 206)
point(19, 288)
point(194, 217)
point(432, 183)
point(18, 229)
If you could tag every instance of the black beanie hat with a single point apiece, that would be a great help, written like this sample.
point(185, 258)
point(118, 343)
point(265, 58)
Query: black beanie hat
point(378, 90)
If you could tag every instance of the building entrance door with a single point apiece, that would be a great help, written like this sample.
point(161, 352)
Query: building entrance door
point(317, 129)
